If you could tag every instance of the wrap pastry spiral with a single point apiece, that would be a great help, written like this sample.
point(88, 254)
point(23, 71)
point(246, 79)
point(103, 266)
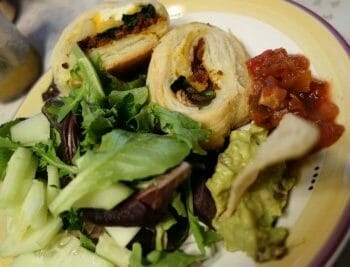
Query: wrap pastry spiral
point(223, 59)
point(119, 55)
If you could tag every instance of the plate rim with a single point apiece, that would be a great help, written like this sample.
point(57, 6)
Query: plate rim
point(340, 236)
point(333, 243)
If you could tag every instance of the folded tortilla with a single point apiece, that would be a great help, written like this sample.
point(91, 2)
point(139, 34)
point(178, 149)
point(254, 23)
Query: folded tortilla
point(199, 70)
point(111, 32)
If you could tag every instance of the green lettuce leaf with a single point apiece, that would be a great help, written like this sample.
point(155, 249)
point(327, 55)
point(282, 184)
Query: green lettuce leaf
point(57, 109)
point(123, 156)
point(5, 128)
point(111, 83)
point(174, 123)
point(90, 88)
point(96, 122)
point(90, 80)
point(252, 227)
point(128, 103)
point(7, 147)
point(161, 258)
point(202, 237)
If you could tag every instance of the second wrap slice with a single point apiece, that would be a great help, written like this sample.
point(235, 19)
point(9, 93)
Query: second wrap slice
point(199, 70)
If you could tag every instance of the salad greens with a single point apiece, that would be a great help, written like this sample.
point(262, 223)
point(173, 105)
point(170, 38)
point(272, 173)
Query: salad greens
point(111, 151)
point(122, 156)
point(114, 137)
point(252, 227)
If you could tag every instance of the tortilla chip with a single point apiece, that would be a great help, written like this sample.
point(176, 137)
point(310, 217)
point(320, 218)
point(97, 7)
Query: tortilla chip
point(293, 138)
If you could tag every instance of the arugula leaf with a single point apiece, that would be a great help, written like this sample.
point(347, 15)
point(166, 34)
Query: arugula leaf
point(86, 242)
point(179, 206)
point(202, 237)
point(47, 156)
point(124, 156)
point(176, 259)
point(57, 109)
point(140, 96)
point(173, 123)
point(71, 220)
point(96, 122)
point(128, 103)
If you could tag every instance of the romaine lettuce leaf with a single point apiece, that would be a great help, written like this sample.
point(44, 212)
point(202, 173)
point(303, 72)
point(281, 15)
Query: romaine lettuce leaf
point(90, 81)
point(123, 156)
point(252, 227)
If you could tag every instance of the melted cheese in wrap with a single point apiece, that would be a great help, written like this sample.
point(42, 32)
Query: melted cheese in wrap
point(199, 70)
point(110, 32)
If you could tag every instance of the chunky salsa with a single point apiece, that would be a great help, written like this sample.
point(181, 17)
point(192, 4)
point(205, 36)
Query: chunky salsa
point(283, 83)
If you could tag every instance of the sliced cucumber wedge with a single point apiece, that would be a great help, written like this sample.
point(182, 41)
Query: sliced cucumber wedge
point(122, 235)
point(110, 250)
point(53, 183)
point(34, 209)
point(31, 131)
point(20, 172)
point(66, 252)
point(105, 198)
point(33, 240)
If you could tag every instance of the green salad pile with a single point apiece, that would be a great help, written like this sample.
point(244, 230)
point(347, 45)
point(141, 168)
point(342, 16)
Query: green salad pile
point(104, 177)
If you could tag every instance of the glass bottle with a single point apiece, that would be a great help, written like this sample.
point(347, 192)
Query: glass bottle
point(19, 63)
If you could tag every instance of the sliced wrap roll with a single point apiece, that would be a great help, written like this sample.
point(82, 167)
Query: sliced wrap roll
point(199, 70)
point(123, 34)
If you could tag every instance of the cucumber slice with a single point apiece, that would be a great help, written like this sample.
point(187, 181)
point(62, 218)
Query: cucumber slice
point(31, 131)
point(122, 235)
point(33, 240)
point(107, 248)
point(20, 172)
point(34, 208)
point(53, 183)
point(66, 252)
point(105, 198)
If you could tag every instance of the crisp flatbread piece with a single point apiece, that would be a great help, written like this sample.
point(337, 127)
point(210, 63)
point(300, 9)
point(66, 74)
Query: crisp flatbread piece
point(293, 138)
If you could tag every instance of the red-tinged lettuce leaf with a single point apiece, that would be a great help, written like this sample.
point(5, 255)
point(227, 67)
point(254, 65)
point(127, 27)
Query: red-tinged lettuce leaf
point(146, 208)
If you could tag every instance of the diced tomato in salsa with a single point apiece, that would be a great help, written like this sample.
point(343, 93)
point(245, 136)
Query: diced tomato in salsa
point(283, 83)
